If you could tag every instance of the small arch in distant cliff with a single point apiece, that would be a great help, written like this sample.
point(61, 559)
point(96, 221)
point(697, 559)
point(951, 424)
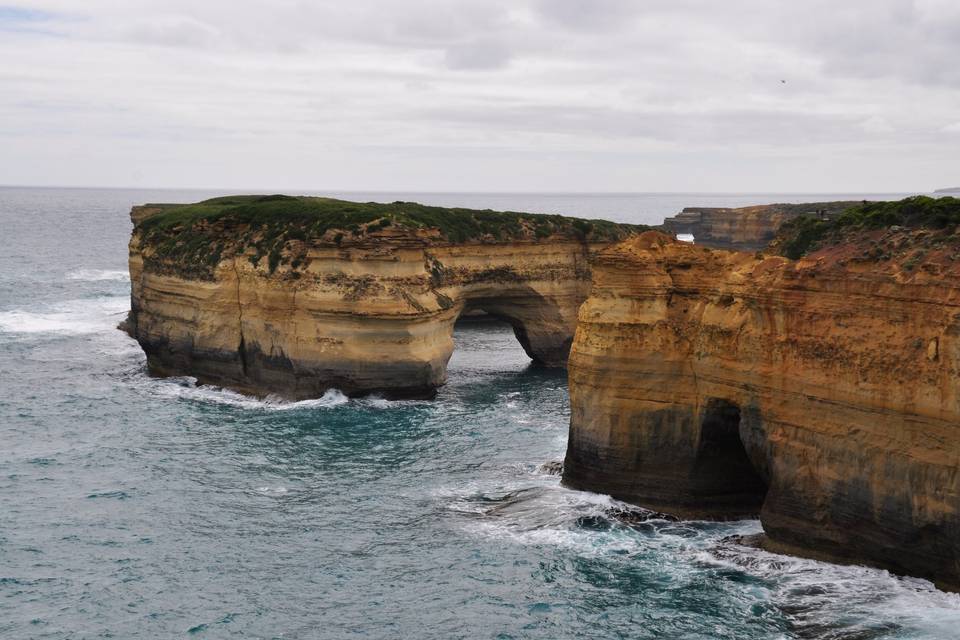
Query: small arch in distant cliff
point(722, 472)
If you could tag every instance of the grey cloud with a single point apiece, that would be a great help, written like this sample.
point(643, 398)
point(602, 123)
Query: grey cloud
point(588, 14)
point(478, 55)
point(886, 39)
point(175, 31)
point(727, 127)
point(441, 22)
point(540, 76)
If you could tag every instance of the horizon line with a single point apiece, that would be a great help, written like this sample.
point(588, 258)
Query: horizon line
point(269, 191)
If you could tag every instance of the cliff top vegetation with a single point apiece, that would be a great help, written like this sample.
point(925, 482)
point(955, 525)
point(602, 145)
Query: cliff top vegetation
point(806, 234)
point(194, 237)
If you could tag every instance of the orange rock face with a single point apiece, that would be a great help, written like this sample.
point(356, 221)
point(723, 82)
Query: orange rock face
point(821, 394)
point(371, 316)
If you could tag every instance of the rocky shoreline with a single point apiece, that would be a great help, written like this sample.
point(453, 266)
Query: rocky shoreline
point(819, 393)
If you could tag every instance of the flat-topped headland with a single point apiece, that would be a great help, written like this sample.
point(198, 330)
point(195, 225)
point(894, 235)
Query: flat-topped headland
point(298, 295)
point(815, 384)
point(746, 228)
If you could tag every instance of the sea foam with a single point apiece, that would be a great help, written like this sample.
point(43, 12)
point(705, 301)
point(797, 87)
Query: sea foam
point(186, 388)
point(98, 275)
point(72, 317)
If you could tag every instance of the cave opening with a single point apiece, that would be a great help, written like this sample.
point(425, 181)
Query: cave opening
point(724, 475)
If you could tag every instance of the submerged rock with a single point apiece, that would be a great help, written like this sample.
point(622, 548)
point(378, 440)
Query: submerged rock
point(553, 468)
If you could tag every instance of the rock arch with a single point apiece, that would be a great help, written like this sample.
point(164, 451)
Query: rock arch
point(363, 319)
point(541, 324)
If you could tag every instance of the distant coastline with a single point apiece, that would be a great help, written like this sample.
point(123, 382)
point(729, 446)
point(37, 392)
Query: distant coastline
point(948, 190)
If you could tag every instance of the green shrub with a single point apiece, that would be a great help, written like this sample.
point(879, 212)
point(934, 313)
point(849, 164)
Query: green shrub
point(182, 235)
point(803, 234)
point(273, 260)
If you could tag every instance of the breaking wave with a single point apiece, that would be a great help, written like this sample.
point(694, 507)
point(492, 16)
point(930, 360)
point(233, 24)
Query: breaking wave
point(811, 599)
point(828, 601)
point(186, 388)
point(98, 275)
point(71, 317)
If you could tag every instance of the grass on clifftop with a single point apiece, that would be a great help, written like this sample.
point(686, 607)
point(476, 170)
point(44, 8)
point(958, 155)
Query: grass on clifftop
point(804, 234)
point(195, 236)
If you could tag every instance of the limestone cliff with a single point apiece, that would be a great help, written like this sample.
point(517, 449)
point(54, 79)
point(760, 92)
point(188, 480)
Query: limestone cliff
point(745, 228)
point(294, 296)
point(821, 394)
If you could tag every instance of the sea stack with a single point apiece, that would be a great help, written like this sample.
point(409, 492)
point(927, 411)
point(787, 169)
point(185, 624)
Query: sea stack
point(294, 296)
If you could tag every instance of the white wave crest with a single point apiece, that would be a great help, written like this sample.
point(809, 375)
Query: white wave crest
point(98, 275)
point(186, 388)
point(273, 491)
point(379, 402)
point(817, 592)
point(545, 514)
point(73, 317)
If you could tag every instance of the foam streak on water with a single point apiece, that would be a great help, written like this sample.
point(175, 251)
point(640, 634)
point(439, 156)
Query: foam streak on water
point(71, 317)
point(97, 275)
point(187, 389)
point(138, 507)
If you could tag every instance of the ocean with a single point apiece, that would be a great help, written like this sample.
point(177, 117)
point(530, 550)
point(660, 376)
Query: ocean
point(134, 507)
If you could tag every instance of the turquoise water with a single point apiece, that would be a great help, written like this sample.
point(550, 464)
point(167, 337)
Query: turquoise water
point(133, 507)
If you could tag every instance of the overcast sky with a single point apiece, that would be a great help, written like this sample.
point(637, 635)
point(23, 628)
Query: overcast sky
point(482, 95)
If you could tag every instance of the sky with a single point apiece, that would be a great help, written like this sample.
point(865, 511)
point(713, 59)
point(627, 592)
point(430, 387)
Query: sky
point(482, 95)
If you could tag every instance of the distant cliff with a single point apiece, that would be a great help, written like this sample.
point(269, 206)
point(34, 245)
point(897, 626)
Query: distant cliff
point(294, 296)
point(745, 228)
point(821, 394)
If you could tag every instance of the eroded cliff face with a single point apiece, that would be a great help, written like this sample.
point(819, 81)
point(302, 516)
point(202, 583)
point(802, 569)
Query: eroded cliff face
point(820, 393)
point(745, 228)
point(363, 313)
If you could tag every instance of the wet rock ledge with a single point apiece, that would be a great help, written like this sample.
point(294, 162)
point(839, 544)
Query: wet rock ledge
point(821, 394)
point(296, 295)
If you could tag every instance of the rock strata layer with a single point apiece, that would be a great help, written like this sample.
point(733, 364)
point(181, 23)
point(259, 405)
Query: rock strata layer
point(294, 309)
point(821, 394)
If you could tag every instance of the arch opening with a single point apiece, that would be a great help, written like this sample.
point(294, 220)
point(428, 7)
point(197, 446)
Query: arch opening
point(538, 325)
point(723, 472)
point(484, 345)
